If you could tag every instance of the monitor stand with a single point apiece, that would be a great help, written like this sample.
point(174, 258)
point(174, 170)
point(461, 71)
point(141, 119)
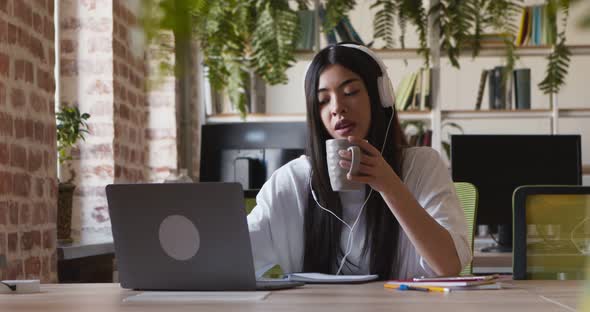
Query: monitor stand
point(504, 240)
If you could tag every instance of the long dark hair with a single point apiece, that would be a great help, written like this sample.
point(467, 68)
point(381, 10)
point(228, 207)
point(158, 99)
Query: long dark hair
point(322, 230)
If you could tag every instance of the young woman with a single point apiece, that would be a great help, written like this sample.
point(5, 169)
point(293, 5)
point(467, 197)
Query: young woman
point(410, 222)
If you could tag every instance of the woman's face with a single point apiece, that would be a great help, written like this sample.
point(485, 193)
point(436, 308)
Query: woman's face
point(344, 103)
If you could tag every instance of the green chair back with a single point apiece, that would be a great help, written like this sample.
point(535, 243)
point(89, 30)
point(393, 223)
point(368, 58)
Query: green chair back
point(250, 204)
point(467, 194)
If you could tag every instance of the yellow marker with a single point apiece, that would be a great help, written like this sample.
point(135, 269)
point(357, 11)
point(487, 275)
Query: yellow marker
point(419, 288)
point(439, 289)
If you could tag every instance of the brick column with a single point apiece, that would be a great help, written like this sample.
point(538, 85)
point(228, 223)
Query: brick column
point(131, 109)
point(86, 80)
point(133, 134)
point(28, 186)
point(161, 133)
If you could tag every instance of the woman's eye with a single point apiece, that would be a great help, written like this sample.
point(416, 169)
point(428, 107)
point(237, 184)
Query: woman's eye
point(350, 93)
point(323, 101)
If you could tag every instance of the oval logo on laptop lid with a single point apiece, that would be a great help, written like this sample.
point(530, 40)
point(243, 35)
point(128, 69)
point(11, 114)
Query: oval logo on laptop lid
point(179, 237)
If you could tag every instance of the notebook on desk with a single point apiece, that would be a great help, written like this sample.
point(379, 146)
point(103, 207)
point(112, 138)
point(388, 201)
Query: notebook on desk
point(456, 281)
point(191, 236)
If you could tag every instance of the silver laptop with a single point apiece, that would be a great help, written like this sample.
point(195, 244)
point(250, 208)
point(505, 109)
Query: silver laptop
point(190, 236)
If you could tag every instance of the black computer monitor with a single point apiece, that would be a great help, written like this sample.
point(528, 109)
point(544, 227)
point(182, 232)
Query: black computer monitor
point(498, 164)
point(249, 153)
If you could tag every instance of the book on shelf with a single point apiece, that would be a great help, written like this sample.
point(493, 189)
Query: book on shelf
point(308, 28)
point(508, 90)
point(425, 103)
point(537, 25)
point(413, 92)
point(347, 33)
point(417, 96)
point(497, 90)
point(523, 28)
point(342, 32)
point(330, 35)
point(482, 85)
point(505, 92)
point(534, 28)
point(404, 90)
point(350, 31)
point(522, 88)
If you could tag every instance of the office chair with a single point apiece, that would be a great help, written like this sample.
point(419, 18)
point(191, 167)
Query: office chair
point(551, 232)
point(467, 194)
point(250, 200)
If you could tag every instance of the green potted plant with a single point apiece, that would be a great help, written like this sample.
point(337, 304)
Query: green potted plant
point(71, 126)
point(417, 128)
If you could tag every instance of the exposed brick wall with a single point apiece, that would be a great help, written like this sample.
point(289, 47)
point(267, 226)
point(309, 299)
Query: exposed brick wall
point(86, 80)
point(131, 110)
point(28, 186)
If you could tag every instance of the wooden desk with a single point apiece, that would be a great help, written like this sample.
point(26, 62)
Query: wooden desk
point(535, 296)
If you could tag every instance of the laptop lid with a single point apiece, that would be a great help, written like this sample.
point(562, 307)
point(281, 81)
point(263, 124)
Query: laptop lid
point(190, 236)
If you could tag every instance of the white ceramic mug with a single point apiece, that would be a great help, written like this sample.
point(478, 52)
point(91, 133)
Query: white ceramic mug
point(338, 179)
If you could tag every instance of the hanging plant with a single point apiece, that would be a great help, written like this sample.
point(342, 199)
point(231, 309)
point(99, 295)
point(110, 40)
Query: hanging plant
point(559, 58)
point(462, 22)
point(403, 11)
point(335, 11)
point(236, 36)
point(455, 21)
point(384, 21)
point(502, 16)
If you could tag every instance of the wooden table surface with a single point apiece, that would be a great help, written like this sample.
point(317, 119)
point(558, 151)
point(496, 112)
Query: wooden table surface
point(535, 296)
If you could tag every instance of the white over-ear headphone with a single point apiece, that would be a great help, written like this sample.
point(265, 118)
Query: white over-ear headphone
point(384, 85)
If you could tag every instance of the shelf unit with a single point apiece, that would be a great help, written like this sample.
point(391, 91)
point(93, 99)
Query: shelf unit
point(491, 114)
point(436, 116)
point(225, 118)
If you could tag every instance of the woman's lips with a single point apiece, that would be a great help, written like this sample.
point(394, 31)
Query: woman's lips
point(346, 130)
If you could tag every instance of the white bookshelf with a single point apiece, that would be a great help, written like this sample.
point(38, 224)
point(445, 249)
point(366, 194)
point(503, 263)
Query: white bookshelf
point(495, 114)
point(225, 118)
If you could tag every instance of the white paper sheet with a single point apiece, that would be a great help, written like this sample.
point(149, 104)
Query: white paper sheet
point(330, 278)
point(196, 296)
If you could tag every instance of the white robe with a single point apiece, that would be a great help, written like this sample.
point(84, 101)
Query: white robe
point(276, 223)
